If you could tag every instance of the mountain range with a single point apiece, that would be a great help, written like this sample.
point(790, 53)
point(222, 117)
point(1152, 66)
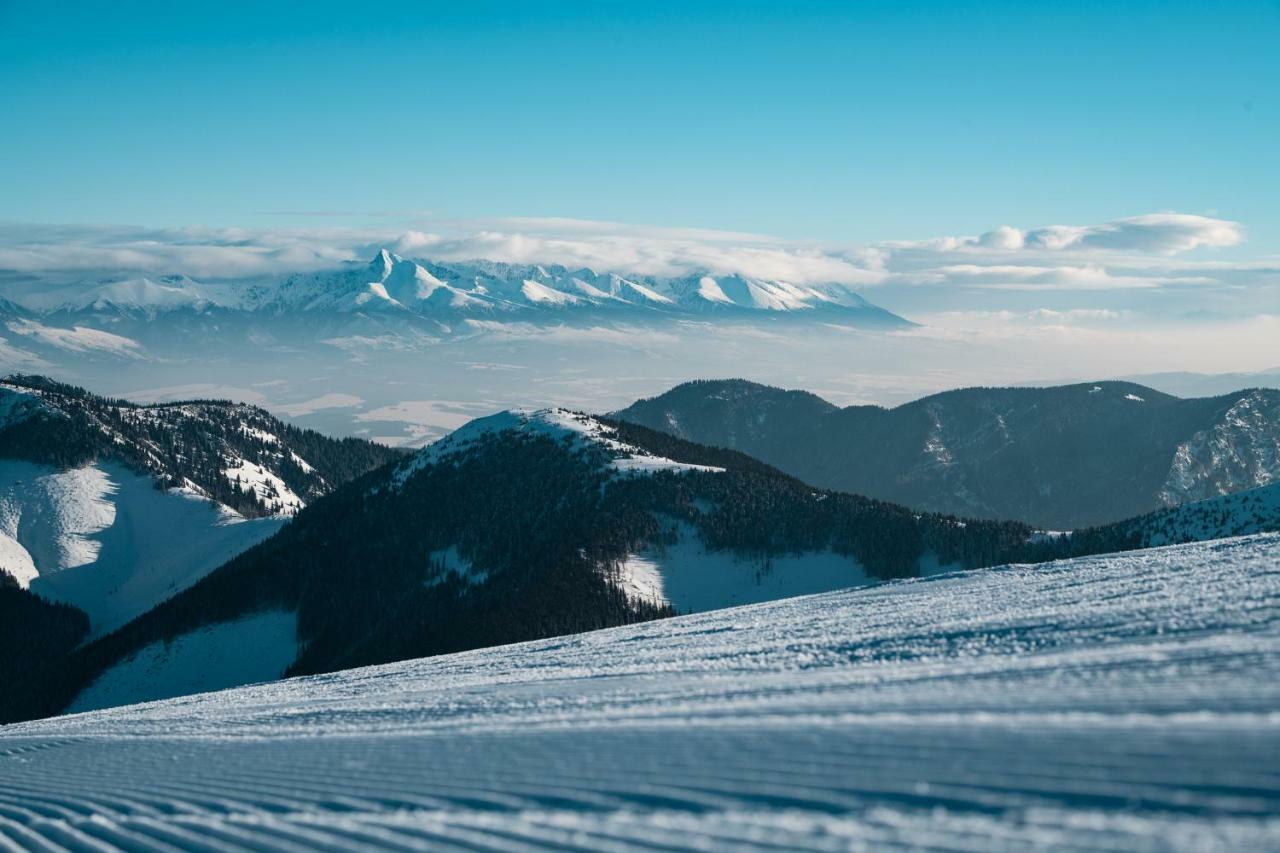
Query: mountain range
point(444, 297)
point(519, 526)
point(1059, 458)
point(128, 578)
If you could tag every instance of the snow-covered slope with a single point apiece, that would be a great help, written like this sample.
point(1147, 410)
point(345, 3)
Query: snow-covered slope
point(522, 526)
point(1238, 514)
point(114, 507)
point(1121, 703)
point(105, 539)
point(1239, 450)
point(237, 455)
point(256, 648)
point(574, 429)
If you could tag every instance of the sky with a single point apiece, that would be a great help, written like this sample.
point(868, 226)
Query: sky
point(847, 122)
point(970, 165)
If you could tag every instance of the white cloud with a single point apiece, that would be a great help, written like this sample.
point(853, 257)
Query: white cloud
point(1005, 319)
point(78, 339)
point(317, 404)
point(71, 251)
point(1135, 253)
point(668, 255)
point(1154, 233)
point(631, 336)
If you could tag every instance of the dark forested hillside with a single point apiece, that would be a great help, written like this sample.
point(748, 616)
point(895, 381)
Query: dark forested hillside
point(198, 444)
point(1061, 457)
point(35, 638)
point(517, 534)
point(522, 526)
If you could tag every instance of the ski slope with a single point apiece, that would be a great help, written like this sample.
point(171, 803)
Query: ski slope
point(1126, 702)
point(103, 538)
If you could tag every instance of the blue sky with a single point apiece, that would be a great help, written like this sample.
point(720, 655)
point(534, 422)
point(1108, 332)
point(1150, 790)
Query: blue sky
point(842, 122)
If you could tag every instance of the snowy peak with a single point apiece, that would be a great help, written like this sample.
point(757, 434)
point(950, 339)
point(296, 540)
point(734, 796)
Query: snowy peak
point(578, 432)
point(382, 264)
point(755, 294)
point(389, 285)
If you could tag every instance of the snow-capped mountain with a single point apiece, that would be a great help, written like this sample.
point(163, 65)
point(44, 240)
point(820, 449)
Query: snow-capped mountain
point(114, 507)
point(1062, 457)
point(1124, 702)
point(525, 525)
point(452, 292)
point(141, 297)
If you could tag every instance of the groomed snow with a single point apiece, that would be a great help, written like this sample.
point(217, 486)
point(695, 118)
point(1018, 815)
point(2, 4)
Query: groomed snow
point(1121, 703)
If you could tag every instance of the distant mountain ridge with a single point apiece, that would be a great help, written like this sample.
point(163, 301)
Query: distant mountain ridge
point(237, 455)
point(444, 294)
point(1060, 458)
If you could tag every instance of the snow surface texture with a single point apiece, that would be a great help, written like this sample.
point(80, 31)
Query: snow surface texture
point(1125, 702)
point(557, 424)
point(108, 541)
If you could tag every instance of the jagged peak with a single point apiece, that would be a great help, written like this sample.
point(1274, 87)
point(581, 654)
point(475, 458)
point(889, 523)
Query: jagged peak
point(383, 262)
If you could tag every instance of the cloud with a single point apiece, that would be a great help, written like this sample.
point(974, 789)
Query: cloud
point(1086, 276)
point(78, 339)
point(1156, 232)
point(1131, 254)
point(70, 251)
point(1001, 319)
point(630, 336)
point(316, 404)
point(1153, 233)
point(671, 255)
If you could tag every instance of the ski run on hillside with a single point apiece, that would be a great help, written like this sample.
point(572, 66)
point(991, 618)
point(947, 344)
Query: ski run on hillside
point(1123, 702)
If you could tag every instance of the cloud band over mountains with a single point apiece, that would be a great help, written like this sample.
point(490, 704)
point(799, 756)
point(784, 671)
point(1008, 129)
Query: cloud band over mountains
point(1140, 252)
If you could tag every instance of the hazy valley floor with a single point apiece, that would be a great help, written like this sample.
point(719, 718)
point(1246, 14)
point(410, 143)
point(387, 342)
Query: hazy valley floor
point(1124, 702)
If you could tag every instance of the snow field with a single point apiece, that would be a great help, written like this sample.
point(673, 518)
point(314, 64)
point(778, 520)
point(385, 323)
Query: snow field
point(1121, 702)
point(105, 539)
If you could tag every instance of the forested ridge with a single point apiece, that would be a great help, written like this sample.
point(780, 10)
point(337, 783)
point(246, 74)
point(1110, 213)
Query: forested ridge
point(35, 638)
point(1062, 457)
point(191, 443)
